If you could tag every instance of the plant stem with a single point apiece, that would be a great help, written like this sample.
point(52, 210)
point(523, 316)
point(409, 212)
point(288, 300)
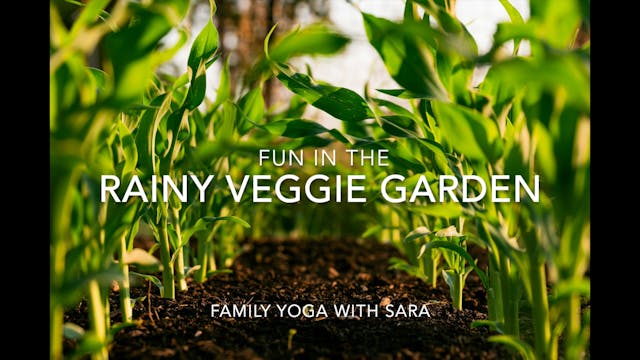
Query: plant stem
point(497, 288)
point(56, 314)
point(201, 275)
point(125, 295)
point(510, 300)
point(165, 257)
point(572, 331)
point(182, 281)
point(430, 267)
point(206, 258)
point(56, 319)
point(434, 270)
point(63, 187)
point(102, 237)
point(96, 320)
point(494, 293)
point(540, 308)
point(107, 309)
point(458, 284)
point(212, 256)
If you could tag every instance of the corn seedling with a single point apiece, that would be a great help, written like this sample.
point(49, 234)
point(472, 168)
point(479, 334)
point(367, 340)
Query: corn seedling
point(456, 257)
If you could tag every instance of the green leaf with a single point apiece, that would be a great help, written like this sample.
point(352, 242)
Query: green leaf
point(315, 39)
point(225, 122)
point(197, 90)
point(128, 148)
point(510, 31)
point(513, 13)
point(515, 343)
point(557, 21)
point(339, 136)
point(99, 77)
point(343, 104)
point(409, 13)
point(234, 219)
point(469, 132)
point(372, 231)
point(563, 73)
point(151, 278)
point(91, 12)
point(174, 243)
point(395, 108)
point(409, 63)
point(132, 49)
point(518, 21)
point(204, 47)
point(251, 112)
point(398, 125)
point(450, 278)
point(181, 81)
point(401, 155)
point(295, 128)
point(224, 87)
point(147, 130)
point(462, 252)
point(545, 158)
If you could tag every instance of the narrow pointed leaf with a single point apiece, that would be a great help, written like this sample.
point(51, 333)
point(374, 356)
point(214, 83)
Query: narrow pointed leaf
point(341, 103)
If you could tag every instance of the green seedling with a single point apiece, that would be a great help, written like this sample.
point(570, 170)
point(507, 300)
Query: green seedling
point(428, 259)
point(456, 258)
point(292, 333)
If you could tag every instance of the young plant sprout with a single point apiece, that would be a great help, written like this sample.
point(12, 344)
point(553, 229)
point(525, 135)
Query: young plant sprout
point(428, 259)
point(290, 335)
point(454, 253)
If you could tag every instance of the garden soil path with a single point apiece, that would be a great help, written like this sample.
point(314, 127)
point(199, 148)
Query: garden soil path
point(299, 272)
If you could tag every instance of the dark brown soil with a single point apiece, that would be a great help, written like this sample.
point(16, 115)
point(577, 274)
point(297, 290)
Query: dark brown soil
point(318, 272)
